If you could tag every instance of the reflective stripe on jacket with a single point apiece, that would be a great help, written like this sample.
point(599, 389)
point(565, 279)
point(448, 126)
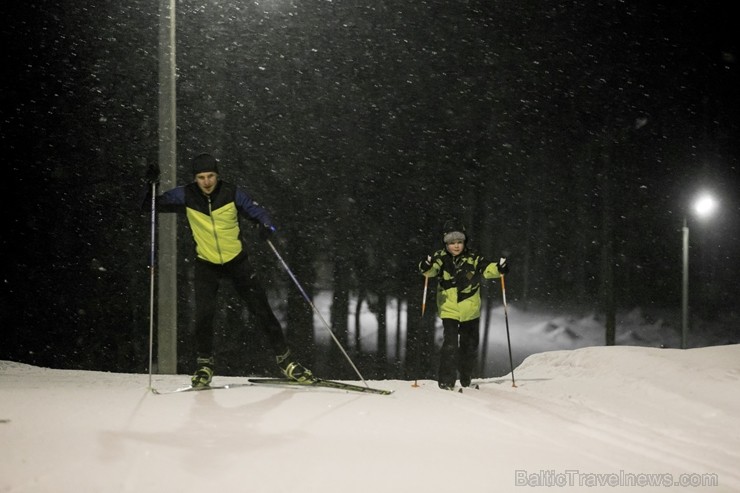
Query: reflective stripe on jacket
point(458, 283)
point(214, 218)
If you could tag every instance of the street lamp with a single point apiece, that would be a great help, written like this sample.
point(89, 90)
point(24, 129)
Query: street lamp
point(704, 206)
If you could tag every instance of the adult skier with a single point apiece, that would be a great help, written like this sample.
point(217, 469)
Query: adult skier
point(213, 208)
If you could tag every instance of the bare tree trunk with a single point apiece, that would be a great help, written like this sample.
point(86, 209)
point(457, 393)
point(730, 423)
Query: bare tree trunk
point(382, 354)
point(487, 296)
point(582, 236)
point(607, 248)
point(358, 309)
point(414, 328)
point(299, 315)
point(399, 303)
point(531, 241)
point(339, 314)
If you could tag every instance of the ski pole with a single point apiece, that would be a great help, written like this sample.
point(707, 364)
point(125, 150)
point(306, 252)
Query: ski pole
point(423, 309)
point(316, 310)
point(508, 338)
point(152, 257)
point(424, 297)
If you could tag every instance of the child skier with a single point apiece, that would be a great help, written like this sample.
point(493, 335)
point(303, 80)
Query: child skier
point(459, 271)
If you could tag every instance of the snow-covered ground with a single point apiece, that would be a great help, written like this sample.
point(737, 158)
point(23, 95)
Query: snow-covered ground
point(623, 418)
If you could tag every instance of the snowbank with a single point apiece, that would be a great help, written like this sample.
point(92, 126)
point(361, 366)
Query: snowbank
point(591, 419)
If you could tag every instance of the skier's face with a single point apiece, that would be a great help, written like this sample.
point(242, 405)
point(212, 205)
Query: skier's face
point(206, 181)
point(455, 248)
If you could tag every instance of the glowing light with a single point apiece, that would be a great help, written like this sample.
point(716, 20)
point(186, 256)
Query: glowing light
point(705, 205)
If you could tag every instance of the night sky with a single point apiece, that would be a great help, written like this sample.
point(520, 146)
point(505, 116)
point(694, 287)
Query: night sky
point(569, 136)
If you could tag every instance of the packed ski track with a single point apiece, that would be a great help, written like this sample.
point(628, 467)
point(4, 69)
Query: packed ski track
point(590, 419)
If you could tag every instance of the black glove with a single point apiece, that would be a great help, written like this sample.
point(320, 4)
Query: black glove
point(152, 173)
point(266, 231)
point(503, 265)
point(426, 263)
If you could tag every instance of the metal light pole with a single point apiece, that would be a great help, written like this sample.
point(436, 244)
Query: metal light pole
point(685, 287)
point(703, 207)
point(167, 258)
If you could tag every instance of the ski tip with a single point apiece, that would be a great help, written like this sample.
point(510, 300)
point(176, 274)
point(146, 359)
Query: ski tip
point(384, 391)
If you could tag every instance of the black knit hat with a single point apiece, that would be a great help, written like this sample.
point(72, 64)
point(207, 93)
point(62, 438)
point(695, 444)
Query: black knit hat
point(204, 163)
point(453, 231)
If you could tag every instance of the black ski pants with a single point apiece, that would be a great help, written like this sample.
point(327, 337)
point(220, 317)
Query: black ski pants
point(208, 277)
point(459, 351)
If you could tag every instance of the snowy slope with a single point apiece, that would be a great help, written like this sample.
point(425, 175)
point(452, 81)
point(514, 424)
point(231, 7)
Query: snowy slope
point(590, 419)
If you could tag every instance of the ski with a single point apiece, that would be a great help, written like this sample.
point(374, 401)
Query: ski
point(329, 384)
point(190, 388)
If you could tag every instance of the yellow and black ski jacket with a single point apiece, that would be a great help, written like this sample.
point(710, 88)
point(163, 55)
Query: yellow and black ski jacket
point(458, 284)
point(214, 218)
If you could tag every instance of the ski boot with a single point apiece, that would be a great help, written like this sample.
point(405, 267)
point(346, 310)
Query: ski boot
point(292, 369)
point(467, 383)
point(204, 374)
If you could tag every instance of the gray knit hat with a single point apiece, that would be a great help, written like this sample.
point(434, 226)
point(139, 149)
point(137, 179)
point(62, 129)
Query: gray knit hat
point(453, 237)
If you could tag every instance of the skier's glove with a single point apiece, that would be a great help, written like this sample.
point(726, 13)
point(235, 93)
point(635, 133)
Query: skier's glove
point(503, 265)
point(152, 173)
point(426, 263)
point(266, 231)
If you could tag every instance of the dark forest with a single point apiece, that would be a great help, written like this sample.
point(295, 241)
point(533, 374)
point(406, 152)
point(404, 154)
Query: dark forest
point(568, 136)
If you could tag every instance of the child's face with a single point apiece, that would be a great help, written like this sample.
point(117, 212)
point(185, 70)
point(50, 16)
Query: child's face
point(455, 248)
